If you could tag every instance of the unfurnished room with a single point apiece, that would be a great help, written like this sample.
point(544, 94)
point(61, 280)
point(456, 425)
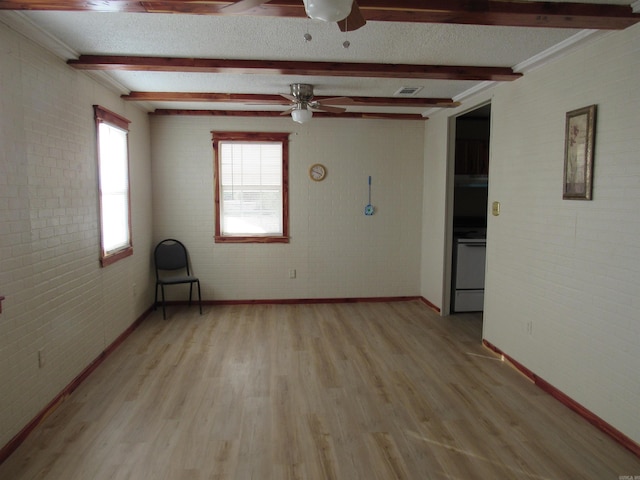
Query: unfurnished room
point(319, 239)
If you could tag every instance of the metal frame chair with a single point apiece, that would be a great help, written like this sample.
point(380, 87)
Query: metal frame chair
point(171, 255)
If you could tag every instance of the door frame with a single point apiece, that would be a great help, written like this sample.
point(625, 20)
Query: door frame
point(448, 231)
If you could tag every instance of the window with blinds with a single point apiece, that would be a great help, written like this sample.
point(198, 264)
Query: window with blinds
point(251, 187)
point(113, 178)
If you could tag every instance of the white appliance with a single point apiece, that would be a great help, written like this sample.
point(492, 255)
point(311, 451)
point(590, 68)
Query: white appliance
point(469, 255)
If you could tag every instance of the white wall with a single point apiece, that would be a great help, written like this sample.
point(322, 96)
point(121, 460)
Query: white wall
point(571, 269)
point(338, 252)
point(435, 204)
point(58, 299)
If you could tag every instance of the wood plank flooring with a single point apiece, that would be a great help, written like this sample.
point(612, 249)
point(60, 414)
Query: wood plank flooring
point(328, 391)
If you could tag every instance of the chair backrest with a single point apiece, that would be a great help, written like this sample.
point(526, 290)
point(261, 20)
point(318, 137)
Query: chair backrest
point(171, 254)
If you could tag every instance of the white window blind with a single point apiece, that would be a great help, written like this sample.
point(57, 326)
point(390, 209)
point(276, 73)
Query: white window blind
point(251, 188)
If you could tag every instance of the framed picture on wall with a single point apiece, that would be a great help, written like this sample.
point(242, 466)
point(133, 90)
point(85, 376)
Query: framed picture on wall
point(578, 153)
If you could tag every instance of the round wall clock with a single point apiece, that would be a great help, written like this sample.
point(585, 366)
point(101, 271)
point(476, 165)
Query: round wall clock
point(317, 172)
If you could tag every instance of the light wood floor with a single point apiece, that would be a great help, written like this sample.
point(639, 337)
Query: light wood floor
point(331, 391)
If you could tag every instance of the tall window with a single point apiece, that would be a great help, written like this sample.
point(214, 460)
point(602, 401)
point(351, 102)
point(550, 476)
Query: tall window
point(251, 187)
point(113, 175)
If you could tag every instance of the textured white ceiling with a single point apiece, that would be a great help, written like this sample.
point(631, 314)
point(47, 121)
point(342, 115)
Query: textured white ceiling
point(272, 84)
point(272, 38)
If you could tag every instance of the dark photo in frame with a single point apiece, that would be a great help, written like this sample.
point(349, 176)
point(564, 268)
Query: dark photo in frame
point(578, 154)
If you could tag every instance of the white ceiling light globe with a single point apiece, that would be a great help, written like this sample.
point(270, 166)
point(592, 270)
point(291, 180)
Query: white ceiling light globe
point(301, 115)
point(328, 10)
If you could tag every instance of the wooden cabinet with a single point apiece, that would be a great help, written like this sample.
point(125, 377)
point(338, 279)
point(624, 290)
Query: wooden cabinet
point(472, 157)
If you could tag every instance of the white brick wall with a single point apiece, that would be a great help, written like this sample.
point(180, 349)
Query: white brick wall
point(570, 268)
point(337, 251)
point(58, 299)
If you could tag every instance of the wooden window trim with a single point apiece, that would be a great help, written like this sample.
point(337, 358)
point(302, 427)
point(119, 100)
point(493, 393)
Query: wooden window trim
point(282, 137)
point(106, 260)
point(102, 115)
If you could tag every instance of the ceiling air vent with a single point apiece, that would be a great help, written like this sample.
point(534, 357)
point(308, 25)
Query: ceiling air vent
point(407, 91)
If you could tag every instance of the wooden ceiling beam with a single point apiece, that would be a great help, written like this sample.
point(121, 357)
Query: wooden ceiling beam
point(244, 113)
point(259, 99)
point(329, 69)
point(470, 12)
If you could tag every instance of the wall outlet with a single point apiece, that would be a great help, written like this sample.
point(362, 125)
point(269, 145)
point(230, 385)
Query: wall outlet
point(292, 273)
point(40, 358)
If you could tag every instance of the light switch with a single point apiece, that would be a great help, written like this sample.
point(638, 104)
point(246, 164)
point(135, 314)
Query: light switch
point(495, 209)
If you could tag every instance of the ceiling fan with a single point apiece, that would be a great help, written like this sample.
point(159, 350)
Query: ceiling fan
point(345, 12)
point(303, 104)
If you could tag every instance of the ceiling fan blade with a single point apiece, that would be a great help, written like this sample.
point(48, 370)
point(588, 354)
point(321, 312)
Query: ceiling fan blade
point(288, 97)
point(288, 112)
point(327, 108)
point(242, 5)
point(354, 21)
point(335, 101)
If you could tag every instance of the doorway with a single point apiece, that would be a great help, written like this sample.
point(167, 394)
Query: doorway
point(468, 215)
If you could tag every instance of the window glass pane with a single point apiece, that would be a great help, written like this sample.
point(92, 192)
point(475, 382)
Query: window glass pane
point(114, 185)
point(115, 225)
point(113, 159)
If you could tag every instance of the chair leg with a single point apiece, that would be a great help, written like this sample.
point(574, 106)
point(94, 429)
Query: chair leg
point(164, 313)
point(199, 298)
point(190, 292)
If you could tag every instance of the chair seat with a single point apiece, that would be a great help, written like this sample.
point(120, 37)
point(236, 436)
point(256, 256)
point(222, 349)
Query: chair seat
point(177, 279)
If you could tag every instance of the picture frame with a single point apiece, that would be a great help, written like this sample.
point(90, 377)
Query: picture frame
point(578, 153)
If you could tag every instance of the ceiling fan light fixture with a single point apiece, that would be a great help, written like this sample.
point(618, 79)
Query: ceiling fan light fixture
point(301, 115)
point(328, 10)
